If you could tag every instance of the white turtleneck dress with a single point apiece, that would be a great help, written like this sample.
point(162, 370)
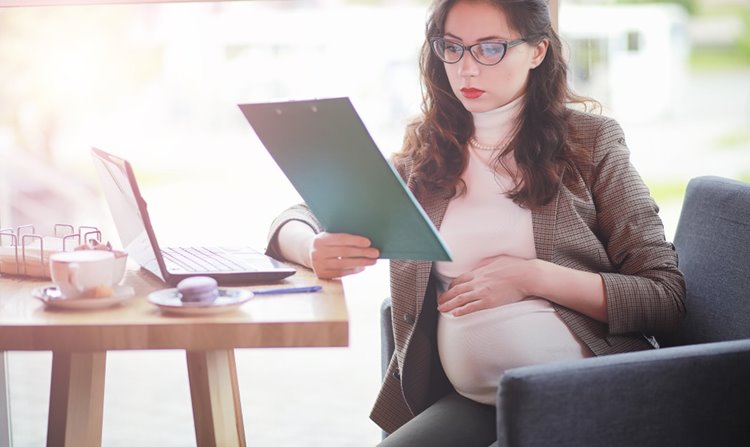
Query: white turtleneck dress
point(475, 349)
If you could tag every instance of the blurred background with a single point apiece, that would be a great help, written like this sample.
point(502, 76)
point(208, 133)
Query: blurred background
point(159, 84)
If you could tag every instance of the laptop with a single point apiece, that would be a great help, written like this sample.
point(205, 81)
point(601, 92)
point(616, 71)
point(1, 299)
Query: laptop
point(228, 265)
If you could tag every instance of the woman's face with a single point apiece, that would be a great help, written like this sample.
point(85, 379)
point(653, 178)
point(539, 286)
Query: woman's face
point(481, 88)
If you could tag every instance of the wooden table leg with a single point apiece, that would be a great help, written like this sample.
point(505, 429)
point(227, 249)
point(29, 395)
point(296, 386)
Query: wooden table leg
point(216, 399)
point(76, 399)
point(5, 425)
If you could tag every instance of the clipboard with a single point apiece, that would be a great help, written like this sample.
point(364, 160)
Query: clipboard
point(326, 152)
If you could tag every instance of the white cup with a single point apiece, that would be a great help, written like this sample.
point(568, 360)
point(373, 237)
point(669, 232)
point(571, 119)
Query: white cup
point(121, 262)
point(84, 273)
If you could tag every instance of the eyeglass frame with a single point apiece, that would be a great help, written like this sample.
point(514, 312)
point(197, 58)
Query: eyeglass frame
point(506, 44)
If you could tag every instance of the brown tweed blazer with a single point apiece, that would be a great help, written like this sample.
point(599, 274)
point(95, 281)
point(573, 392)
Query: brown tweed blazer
point(602, 220)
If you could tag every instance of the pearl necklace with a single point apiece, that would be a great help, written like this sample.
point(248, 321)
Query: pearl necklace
point(476, 145)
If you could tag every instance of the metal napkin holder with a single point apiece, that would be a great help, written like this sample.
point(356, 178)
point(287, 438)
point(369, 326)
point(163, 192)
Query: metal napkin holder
point(16, 259)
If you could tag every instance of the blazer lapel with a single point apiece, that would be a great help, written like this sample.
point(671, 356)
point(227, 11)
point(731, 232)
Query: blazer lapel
point(543, 222)
point(434, 207)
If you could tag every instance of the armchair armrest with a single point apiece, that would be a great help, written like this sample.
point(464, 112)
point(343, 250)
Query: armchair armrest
point(696, 395)
point(386, 336)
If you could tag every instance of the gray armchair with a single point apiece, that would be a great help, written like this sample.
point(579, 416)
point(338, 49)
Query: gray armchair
point(695, 391)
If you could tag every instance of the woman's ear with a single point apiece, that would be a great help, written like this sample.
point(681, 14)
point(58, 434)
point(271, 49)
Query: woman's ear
point(540, 50)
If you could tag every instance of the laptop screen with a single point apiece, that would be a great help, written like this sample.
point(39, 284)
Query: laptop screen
point(125, 204)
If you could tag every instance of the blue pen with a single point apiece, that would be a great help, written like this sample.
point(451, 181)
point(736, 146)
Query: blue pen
point(307, 289)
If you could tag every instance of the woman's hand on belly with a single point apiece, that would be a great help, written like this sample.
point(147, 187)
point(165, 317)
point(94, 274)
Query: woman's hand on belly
point(499, 281)
point(507, 279)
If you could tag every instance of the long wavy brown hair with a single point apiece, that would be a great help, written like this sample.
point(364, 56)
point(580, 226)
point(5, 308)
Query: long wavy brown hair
point(436, 143)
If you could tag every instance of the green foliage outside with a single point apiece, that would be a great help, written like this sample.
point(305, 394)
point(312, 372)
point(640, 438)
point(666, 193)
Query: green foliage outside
point(743, 42)
point(732, 57)
point(689, 5)
point(711, 58)
point(674, 191)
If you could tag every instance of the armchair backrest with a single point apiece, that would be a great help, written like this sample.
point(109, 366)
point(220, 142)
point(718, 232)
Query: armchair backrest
point(713, 248)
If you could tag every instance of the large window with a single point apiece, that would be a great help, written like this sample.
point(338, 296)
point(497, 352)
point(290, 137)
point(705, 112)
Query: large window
point(676, 78)
point(160, 84)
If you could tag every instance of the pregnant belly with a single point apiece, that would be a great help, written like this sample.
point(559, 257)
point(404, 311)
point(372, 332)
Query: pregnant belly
point(476, 349)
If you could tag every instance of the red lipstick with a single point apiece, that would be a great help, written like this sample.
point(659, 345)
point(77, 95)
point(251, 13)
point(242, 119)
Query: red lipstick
point(471, 93)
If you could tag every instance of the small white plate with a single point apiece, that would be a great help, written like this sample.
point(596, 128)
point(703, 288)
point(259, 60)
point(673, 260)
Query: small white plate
point(53, 299)
point(170, 301)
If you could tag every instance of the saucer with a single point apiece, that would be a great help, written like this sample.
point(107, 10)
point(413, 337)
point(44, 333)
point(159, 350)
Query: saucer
point(53, 299)
point(170, 301)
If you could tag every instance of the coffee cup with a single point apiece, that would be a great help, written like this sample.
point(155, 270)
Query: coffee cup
point(121, 262)
point(85, 273)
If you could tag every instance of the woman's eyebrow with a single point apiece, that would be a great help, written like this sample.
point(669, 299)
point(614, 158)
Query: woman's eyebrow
point(478, 40)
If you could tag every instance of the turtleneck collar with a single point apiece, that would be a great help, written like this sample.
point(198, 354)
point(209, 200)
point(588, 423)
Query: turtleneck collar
point(493, 127)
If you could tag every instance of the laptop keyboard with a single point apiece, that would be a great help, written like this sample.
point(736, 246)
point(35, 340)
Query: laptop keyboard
point(204, 260)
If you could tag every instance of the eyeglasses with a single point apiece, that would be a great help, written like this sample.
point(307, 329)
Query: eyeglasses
point(490, 52)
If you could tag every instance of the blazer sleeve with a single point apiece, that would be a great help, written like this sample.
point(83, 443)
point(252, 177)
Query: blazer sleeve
point(300, 212)
point(646, 292)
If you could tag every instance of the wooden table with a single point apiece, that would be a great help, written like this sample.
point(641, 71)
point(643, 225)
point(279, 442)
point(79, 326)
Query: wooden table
point(79, 341)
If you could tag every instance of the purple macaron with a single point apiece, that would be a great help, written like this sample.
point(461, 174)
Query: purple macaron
point(198, 289)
